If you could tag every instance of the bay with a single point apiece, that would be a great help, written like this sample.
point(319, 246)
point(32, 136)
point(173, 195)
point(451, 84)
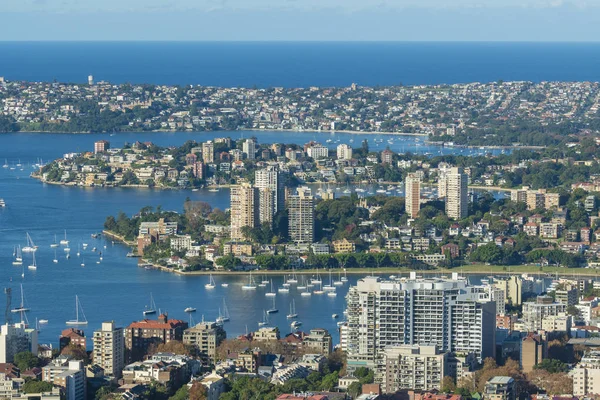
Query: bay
point(116, 289)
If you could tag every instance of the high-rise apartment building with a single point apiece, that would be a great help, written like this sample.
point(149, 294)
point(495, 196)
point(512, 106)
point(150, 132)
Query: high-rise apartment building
point(344, 152)
point(244, 209)
point(249, 149)
point(586, 375)
point(534, 312)
point(266, 206)
point(412, 190)
point(301, 216)
point(109, 349)
point(413, 367)
point(456, 194)
point(272, 178)
point(206, 336)
point(16, 338)
point(447, 313)
point(208, 152)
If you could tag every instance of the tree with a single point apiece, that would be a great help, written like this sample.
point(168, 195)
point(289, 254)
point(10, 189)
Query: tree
point(198, 392)
point(355, 389)
point(552, 366)
point(35, 386)
point(77, 352)
point(448, 385)
point(26, 360)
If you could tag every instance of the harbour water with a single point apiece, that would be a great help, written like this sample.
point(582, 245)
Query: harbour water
point(116, 289)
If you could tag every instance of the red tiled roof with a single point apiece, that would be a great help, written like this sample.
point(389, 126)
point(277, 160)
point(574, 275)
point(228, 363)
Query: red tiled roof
point(153, 324)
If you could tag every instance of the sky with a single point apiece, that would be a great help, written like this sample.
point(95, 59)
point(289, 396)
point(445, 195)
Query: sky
point(293, 20)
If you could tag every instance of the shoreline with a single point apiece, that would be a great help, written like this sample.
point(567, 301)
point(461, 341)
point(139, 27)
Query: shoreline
point(465, 270)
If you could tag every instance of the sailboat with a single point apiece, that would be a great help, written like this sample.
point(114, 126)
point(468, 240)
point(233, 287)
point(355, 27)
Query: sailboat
point(55, 243)
point(344, 278)
point(251, 285)
point(55, 260)
point(293, 278)
point(292, 313)
point(78, 250)
point(21, 307)
point(317, 280)
point(30, 247)
point(78, 308)
point(320, 290)
point(82, 262)
point(265, 319)
point(272, 292)
point(211, 283)
point(339, 280)
point(33, 264)
point(225, 316)
point(152, 308)
point(302, 286)
point(18, 257)
point(65, 242)
point(273, 309)
point(306, 293)
point(190, 309)
point(329, 287)
point(5, 163)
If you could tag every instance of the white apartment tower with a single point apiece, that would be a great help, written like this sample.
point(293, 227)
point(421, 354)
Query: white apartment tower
point(301, 216)
point(16, 338)
point(208, 152)
point(249, 148)
point(244, 209)
point(412, 190)
point(447, 313)
point(344, 152)
point(456, 194)
point(273, 179)
point(109, 349)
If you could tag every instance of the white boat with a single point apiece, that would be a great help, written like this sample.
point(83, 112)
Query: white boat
point(339, 280)
point(265, 319)
point(84, 245)
point(189, 309)
point(78, 308)
point(283, 290)
point(330, 287)
point(55, 243)
point(331, 294)
point(18, 257)
point(43, 321)
point(225, 316)
point(341, 323)
point(334, 316)
point(22, 308)
point(82, 262)
point(293, 278)
point(250, 285)
point(65, 242)
point(33, 263)
point(306, 293)
point(319, 290)
point(296, 324)
point(273, 309)
point(55, 260)
point(5, 163)
point(19, 164)
point(344, 278)
point(78, 250)
point(213, 190)
point(211, 283)
point(224, 284)
point(30, 247)
point(272, 292)
point(293, 314)
point(150, 309)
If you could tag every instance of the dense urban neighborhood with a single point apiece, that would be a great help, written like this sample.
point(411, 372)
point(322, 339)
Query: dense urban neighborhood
point(499, 113)
point(413, 327)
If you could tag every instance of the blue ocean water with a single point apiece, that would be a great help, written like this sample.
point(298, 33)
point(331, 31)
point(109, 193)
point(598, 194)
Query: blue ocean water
point(299, 64)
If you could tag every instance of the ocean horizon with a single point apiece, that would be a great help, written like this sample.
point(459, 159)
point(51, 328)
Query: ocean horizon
point(298, 64)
